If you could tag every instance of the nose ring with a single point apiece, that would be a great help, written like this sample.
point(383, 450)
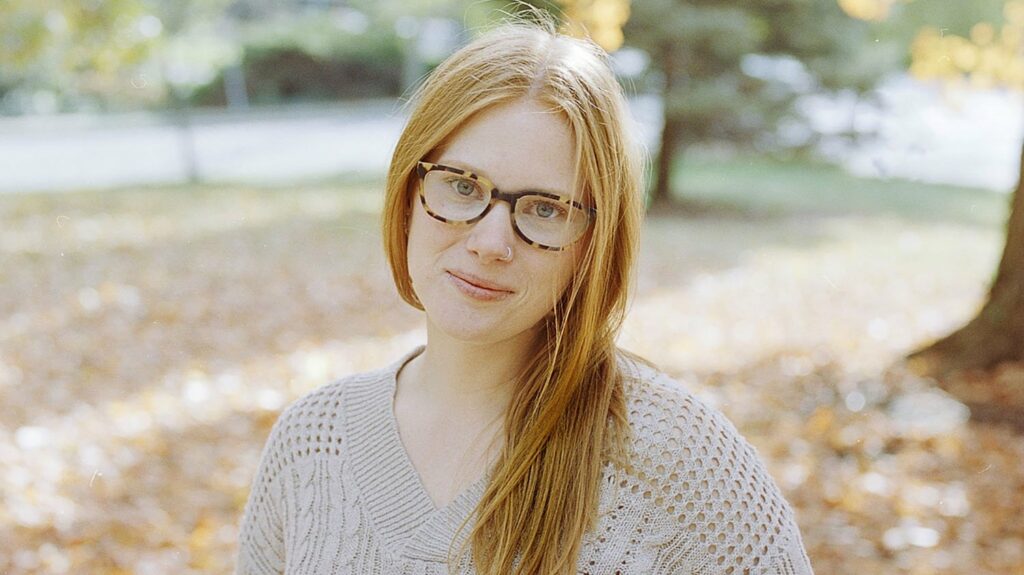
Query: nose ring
point(508, 254)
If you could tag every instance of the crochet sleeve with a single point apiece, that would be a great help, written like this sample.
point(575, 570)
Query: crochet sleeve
point(261, 534)
point(716, 508)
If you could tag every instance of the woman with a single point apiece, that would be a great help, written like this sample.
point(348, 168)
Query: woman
point(519, 439)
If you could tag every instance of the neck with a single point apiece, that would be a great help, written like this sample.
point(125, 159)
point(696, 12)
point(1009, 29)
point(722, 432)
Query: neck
point(464, 376)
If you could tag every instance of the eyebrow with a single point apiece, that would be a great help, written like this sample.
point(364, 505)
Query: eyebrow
point(470, 168)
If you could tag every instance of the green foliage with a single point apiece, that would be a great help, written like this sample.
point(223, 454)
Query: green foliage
point(72, 50)
point(38, 31)
point(118, 54)
point(840, 53)
point(952, 16)
point(698, 50)
point(314, 58)
point(318, 35)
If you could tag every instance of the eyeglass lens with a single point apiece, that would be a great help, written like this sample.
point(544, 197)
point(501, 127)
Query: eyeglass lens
point(543, 220)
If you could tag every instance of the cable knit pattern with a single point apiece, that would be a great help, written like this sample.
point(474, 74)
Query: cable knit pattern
point(335, 493)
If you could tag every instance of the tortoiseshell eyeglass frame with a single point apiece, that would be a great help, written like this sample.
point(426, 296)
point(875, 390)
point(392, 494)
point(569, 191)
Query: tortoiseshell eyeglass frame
point(424, 168)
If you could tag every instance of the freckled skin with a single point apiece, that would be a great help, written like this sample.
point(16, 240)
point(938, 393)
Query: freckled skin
point(516, 146)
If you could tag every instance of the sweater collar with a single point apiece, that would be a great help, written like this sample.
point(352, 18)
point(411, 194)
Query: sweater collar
point(392, 493)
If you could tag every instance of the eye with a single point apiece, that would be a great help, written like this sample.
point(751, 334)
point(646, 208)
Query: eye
point(546, 209)
point(464, 186)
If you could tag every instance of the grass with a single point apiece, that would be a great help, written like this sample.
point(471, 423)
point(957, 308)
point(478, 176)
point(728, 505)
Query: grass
point(760, 185)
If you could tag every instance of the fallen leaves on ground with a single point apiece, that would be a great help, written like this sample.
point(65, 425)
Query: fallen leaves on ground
point(148, 340)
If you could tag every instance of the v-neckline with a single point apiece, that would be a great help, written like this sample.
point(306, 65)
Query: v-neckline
point(397, 501)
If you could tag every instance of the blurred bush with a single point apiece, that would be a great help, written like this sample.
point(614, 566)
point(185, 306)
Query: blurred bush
point(289, 68)
point(289, 74)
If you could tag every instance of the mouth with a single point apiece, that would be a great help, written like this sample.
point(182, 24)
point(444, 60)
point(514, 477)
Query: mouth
point(480, 283)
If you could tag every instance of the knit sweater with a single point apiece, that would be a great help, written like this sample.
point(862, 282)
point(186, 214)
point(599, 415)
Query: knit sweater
point(336, 493)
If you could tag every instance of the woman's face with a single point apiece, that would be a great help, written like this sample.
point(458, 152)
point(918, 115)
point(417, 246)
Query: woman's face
point(517, 146)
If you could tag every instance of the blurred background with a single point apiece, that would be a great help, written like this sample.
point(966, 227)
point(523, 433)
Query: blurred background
point(833, 255)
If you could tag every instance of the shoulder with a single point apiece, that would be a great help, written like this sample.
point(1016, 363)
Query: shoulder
point(316, 422)
point(704, 484)
point(325, 405)
point(664, 412)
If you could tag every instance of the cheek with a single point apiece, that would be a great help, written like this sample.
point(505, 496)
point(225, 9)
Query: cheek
point(428, 239)
point(559, 276)
point(573, 265)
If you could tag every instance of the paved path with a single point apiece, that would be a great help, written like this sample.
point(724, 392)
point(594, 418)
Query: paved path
point(921, 137)
point(76, 153)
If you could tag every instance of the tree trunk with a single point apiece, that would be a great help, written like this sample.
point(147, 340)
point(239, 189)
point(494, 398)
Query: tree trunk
point(235, 92)
point(996, 334)
point(182, 121)
point(186, 140)
point(670, 131)
point(669, 149)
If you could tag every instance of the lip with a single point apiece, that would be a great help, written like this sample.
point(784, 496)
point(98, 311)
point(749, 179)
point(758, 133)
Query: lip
point(479, 282)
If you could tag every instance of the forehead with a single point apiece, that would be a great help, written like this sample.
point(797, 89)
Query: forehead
point(521, 145)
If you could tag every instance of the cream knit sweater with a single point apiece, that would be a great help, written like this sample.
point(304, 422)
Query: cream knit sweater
point(335, 493)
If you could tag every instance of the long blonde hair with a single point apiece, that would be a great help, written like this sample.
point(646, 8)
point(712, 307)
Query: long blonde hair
point(568, 412)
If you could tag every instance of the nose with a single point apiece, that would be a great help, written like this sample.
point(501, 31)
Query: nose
point(490, 237)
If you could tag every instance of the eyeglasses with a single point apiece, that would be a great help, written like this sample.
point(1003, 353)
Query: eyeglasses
point(542, 219)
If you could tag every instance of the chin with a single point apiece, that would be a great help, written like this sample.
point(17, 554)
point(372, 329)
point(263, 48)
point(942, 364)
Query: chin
point(480, 329)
